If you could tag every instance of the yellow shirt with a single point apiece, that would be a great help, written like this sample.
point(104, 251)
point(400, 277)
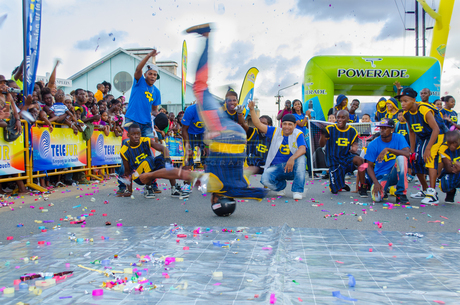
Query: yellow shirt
point(98, 95)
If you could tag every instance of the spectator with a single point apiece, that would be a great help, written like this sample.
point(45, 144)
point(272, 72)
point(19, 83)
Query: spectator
point(231, 108)
point(301, 124)
point(107, 87)
point(287, 109)
point(449, 115)
point(387, 158)
point(381, 109)
point(425, 94)
point(331, 118)
point(392, 109)
point(366, 118)
point(257, 145)
point(341, 147)
point(340, 104)
point(145, 97)
point(450, 151)
point(438, 105)
point(17, 75)
point(286, 155)
point(99, 95)
point(81, 98)
point(354, 118)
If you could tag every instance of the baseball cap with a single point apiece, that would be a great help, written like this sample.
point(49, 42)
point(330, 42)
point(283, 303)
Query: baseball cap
point(386, 122)
point(408, 91)
point(289, 118)
point(161, 121)
point(154, 68)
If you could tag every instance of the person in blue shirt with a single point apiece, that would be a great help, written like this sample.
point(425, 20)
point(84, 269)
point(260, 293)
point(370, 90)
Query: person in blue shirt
point(449, 115)
point(192, 135)
point(234, 112)
point(450, 175)
point(145, 97)
point(285, 158)
point(354, 118)
point(301, 124)
point(341, 155)
point(387, 157)
point(258, 145)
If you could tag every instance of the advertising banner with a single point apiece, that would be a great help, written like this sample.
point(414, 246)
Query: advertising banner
point(175, 146)
point(12, 156)
point(105, 150)
point(32, 42)
point(58, 149)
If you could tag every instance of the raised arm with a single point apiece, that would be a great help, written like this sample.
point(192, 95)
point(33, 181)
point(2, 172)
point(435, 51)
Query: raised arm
point(140, 66)
point(52, 80)
point(262, 127)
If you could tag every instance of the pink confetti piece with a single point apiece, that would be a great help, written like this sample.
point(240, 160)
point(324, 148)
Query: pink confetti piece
point(217, 284)
point(439, 302)
point(443, 217)
point(339, 262)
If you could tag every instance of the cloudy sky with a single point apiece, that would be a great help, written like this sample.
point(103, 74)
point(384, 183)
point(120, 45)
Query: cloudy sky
point(278, 37)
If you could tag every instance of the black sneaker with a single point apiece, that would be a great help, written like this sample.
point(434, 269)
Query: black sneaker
point(155, 188)
point(177, 193)
point(402, 199)
point(363, 191)
point(385, 196)
point(450, 197)
point(148, 192)
point(200, 29)
point(346, 188)
point(326, 176)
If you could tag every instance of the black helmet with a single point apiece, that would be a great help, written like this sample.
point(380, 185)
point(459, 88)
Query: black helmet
point(224, 207)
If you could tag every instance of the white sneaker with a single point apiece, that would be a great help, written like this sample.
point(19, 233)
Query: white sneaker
point(418, 195)
point(431, 196)
point(281, 193)
point(297, 195)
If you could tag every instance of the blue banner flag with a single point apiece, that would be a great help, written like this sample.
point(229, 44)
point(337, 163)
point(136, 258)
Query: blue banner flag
point(32, 42)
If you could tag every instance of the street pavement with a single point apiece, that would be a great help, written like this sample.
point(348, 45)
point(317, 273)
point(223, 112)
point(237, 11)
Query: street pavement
point(312, 211)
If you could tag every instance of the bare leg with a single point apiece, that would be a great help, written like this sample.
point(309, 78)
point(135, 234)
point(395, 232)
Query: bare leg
point(171, 174)
point(422, 179)
point(433, 173)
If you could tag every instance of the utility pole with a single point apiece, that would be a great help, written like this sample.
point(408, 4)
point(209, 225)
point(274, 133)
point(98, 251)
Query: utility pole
point(417, 29)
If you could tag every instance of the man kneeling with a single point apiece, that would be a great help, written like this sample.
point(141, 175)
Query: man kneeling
point(138, 158)
point(386, 157)
point(286, 156)
point(450, 154)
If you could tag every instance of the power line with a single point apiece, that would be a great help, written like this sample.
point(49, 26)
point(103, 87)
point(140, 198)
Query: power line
point(400, 16)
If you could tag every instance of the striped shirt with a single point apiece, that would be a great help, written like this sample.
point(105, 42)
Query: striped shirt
point(418, 123)
point(59, 109)
point(339, 143)
point(135, 155)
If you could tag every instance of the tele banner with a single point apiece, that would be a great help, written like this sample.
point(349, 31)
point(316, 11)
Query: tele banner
point(105, 150)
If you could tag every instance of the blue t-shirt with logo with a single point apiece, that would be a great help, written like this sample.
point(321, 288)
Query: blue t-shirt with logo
point(191, 119)
point(374, 148)
point(300, 117)
point(141, 100)
point(284, 153)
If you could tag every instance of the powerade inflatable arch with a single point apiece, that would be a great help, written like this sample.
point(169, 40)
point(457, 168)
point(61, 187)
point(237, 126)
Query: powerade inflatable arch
point(326, 76)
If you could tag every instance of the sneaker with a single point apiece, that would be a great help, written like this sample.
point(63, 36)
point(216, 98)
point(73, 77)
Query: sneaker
point(148, 192)
point(418, 195)
point(199, 29)
point(402, 199)
point(363, 191)
point(346, 188)
point(410, 178)
point(385, 196)
point(297, 195)
point(186, 189)
point(281, 193)
point(431, 196)
point(326, 176)
point(177, 193)
point(450, 197)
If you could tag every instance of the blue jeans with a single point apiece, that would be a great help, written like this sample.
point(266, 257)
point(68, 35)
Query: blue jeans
point(275, 178)
point(397, 176)
point(146, 129)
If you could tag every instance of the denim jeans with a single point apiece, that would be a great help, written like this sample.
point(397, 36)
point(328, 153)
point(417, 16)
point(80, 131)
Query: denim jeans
point(397, 176)
point(146, 129)
point(275, 178)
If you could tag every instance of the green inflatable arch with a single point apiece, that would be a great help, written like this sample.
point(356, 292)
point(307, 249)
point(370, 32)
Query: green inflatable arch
point(326, 76)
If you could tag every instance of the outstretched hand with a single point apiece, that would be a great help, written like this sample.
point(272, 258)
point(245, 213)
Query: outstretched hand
point(251, 105)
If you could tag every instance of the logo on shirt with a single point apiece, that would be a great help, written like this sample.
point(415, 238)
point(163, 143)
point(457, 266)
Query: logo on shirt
point(342, 142)
point(402, 132)
point(454, 119)
point(262, 148)
point(149, 96)
point(284, 149)
point(140, 158)
point(417, 127)
point(198, 124)
point(455, 161)
point(389, 156)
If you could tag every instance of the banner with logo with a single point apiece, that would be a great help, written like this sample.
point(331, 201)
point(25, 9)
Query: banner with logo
point(175, 146)
point(11, 156)
point(32, 41)
point(105, 150)
point(184, 72)
point(247, 90)
point(58, 149)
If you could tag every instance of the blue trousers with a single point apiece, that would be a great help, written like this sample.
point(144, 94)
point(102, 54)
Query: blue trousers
point(275, 178)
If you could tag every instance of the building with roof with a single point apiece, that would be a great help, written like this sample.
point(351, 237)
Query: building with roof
point(118, 69)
